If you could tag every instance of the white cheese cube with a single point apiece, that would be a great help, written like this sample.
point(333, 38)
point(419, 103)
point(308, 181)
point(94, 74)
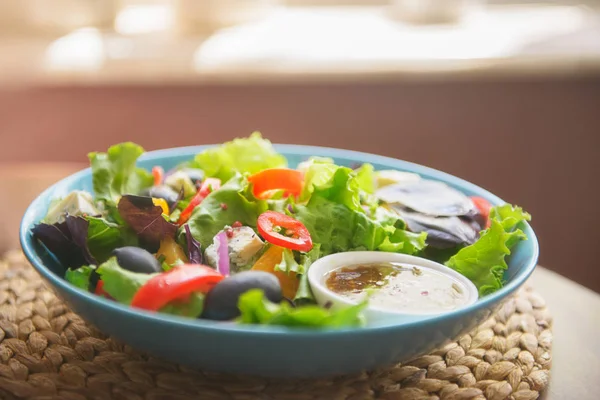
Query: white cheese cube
point(77, 203)
point(242, 247)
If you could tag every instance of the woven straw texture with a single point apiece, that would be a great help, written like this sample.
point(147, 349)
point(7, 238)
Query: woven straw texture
point(47, 352)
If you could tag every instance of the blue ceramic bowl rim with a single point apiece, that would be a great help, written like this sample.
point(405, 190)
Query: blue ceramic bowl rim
point(303, 150)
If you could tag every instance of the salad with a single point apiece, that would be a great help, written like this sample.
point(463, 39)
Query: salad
point(230, 234)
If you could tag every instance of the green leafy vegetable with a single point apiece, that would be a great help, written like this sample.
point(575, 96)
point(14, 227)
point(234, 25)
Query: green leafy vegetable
point(288, 263)
point(304, 294)
point(251, 155)
point(317, 172)
point(209, 217)
point(80, 277)
point(122, 285)
point(484, 262)
point(114, 173)
point(402, 241)
point(103, 237)
point(334, 183)
point(191, 308)
point(365, 176)
point(338, 228)
point(256, 309)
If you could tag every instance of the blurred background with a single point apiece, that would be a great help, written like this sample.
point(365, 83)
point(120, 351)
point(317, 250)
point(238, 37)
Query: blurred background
point(505, 94)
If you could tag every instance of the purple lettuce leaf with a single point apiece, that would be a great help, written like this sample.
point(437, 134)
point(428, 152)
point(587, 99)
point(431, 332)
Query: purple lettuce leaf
point(67, 241)
point(193, 247)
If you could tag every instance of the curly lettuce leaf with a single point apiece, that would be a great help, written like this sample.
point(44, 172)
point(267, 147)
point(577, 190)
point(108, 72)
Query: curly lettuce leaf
point(402, 241)
point(256, 309)
point(122, 285)
point(317, 173)
point(114, 173)
point(484, 262)
point(210, 217)
point(80, 277)
point(338, 228)
point(242, 155)
point(365, 176)
point(342, 185)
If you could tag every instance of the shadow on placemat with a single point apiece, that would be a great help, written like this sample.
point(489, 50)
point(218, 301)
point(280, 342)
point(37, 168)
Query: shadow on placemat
point(47, 352)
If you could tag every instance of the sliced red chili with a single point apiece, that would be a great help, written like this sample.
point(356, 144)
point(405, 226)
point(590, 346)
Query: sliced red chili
point(296, 237)
point(269, 180)
point(175, 284)
point(484, 208)
point(208, 186)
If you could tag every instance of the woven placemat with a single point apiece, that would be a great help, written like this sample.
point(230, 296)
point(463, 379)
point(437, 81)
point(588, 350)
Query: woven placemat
point(47, 352)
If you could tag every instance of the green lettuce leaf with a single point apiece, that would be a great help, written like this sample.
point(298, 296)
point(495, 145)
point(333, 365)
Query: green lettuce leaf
point(401, 241)
point(256, 309)
point(191, 308)
point(365, 176)
point(122, 285)
point(114, 173)
point(209, 217)
point(338, 228)
point(317, 173)
point(288, 263)
point(334, 183)
point(304, 294)
point(103, 237)
point(80, 277)
point(251, 155)
point(484, 262)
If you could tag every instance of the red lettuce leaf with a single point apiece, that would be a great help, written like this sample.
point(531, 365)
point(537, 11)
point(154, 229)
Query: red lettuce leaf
point(146, 220)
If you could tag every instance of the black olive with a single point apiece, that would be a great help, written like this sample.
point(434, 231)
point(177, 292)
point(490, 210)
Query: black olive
point(162, 192)
point(136, 259)
point(195, 174)
point(221, 303)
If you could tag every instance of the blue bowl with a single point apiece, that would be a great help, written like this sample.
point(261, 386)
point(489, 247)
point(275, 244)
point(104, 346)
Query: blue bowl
point(268, 350)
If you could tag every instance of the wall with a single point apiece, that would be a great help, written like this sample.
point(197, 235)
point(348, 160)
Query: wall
point(532, 142)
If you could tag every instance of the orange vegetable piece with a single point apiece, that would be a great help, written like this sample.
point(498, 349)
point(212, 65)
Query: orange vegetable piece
point(267, 262)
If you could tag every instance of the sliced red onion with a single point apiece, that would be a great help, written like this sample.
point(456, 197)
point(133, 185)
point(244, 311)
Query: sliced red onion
point(222, 253)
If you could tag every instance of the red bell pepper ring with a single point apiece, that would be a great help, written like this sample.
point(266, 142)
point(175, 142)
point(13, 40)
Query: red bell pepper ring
point(158, 173)
point(268, 180)
point(484, 208)
point(175, 284)
point(296, 237)
point(208, 186)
